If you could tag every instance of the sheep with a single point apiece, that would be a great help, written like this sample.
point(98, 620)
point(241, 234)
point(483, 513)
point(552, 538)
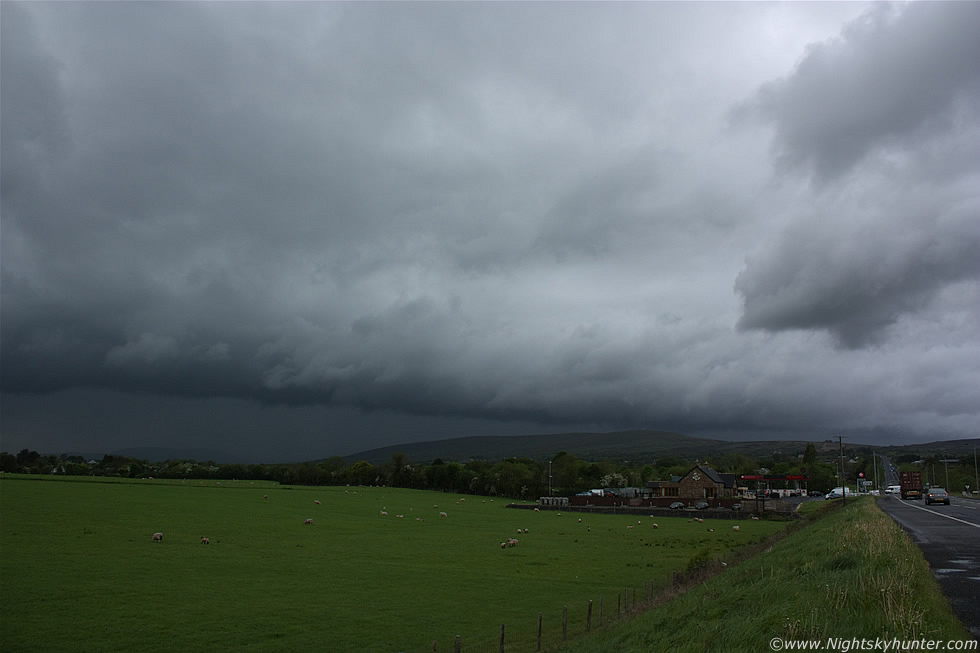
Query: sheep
point(205, 540)
point(755, 518)
point(400, 516)
point(711, 530)
point(736, 528)
point(656, 525)
point(316, 501)
point(442, 514)
point(537, 510)
point(384, 513)
point(511, 542)
point(503, 545)
point(308, 522)
point(158, 537)
point(265, 496)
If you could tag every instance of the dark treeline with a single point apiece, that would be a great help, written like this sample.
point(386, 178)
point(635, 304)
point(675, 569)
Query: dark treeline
point(519, 478)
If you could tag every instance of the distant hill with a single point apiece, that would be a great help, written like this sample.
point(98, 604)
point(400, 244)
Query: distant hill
point(637, 447)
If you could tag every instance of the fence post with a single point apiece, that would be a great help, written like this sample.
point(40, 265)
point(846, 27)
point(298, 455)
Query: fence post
point(501, 638)
point(619, 604)
point(634, 598)
point(539, 632)
point(564, 623)
point(588, 618)
point(458, 645)
point(600, 610)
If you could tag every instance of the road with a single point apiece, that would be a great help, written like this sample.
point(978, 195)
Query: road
point(949, 537)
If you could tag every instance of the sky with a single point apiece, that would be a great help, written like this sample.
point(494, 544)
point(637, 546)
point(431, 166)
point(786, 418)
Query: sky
point(294, 230)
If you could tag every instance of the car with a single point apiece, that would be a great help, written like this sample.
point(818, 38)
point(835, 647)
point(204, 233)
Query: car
point(814, 493)
point(677, 505)
point(736, 506)
point(701, 505)
point(937, 495)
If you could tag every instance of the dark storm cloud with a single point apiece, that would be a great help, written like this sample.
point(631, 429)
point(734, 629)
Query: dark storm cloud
point(484, 216)
point(889, 112)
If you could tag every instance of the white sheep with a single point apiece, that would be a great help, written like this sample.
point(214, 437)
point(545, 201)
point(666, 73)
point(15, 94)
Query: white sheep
point(316, 501)
point(442, 514)
point(656, 525)
point(158, 537)
point(308, 522)
point(384, 514)
point(205, 540)
point(736, 528)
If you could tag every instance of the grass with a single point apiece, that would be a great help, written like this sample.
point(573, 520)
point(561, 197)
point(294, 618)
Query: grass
point(78, 570)
point(851, 573)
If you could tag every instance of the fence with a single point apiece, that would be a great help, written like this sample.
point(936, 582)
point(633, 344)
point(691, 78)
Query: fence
point(596, 614)
point(557, 628)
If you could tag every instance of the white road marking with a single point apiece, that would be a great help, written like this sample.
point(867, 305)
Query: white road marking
point(962, 521)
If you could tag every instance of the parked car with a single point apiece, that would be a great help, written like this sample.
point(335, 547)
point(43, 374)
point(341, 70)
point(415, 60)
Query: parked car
point(677, 505)
point(701, 505)
point(937, 495)
point(814, 493)
point(736, 506)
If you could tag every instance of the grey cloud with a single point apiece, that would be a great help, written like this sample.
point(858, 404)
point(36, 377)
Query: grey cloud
point(502, 215)
point(857, 279)
point(893, 104)
point(892, 77)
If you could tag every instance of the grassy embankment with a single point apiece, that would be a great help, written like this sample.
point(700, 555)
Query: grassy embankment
point(78, 570)
point(851, 573)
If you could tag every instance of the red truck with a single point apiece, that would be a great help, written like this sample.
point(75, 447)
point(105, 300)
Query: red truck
point(911, 485)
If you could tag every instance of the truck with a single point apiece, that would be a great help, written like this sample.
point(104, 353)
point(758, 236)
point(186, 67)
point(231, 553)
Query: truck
point(911, 484)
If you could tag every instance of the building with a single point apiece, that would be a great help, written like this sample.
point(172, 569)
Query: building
point(700, 483)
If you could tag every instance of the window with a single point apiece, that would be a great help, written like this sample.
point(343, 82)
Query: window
point(709, 492)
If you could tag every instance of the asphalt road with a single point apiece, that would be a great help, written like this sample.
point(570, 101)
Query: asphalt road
point(949, 537)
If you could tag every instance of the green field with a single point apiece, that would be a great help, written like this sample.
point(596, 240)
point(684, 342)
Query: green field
point(78, 569)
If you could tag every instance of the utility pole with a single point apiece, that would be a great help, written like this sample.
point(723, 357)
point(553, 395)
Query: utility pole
point(843, 481)
point(874, 461)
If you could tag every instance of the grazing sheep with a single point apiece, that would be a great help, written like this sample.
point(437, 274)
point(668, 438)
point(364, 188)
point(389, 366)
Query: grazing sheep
point(308, 522)
point(755, 518)
point(400, 516)
point(537, 510)
point(384, 514)
point(316, 501)
point(158, 537)
point(526, 530)
point(503, 545)
point(519, 531)
point(266, 496)
point(442, 514)
point(656, 525)
point(711, 530)
point(511, 542)
point(736, 528)
point(205, 540)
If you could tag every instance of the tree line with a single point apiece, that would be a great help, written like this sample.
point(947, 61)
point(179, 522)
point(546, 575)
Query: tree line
point(518, 478)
